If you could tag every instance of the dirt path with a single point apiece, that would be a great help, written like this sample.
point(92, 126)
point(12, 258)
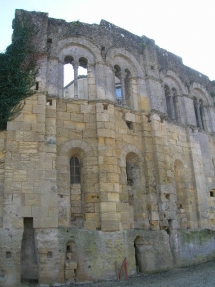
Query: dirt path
point(202, 275)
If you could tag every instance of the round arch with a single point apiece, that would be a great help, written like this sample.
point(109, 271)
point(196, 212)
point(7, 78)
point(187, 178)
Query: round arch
point(200, 92)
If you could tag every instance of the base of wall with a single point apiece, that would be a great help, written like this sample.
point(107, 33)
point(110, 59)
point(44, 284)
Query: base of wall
point(74, 255)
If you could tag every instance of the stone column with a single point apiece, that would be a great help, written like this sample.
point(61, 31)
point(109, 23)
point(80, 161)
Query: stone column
point(75, 67)
point(122, 76)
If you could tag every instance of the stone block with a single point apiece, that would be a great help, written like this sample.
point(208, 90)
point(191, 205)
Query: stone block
point(91, 197)
point(92, 216)
point(38, 211)
point(108, 187)
point(110, 216)
point(71, 265)
point(75, 189)
point(108, 207)
point(72, 108)
point(75, 197)
point(69, 274)
point(92, 225)
point(24, 211)
point(102, 117)
point(28, 147)
point(110, 225)
point(113, 196)
point(32, 199)
point(126, 217)
point(86, 108)
point(38, 109)
point(30, 118)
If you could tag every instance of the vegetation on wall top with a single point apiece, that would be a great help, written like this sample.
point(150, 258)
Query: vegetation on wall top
point(18, 71)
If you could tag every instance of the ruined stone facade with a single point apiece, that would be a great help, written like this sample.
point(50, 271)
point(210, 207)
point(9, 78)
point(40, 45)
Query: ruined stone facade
point(89, 180)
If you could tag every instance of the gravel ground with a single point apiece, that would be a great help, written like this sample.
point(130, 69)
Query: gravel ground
point(202, 275)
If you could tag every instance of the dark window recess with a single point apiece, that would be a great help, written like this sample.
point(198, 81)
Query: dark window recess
point(212, 193)
point(49, 254)
point(105, 106)
point(49, 40)
point(49, 102)
point(37, 86)
point(74, 170)
point(130, 125)
point(8, 254)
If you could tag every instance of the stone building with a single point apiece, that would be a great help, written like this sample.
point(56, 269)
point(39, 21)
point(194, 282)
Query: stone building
point(124, 171)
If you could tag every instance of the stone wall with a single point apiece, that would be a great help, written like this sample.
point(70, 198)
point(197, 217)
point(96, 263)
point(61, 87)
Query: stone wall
point(100, 178)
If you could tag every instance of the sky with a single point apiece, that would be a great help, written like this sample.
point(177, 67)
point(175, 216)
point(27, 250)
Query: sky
point(183, 27)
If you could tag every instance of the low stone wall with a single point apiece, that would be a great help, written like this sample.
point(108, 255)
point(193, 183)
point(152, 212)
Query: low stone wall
point(192, 247)
point(68, 255)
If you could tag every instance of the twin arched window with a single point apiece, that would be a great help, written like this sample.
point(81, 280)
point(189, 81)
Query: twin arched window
point(75, 82)
point(122, 85)
point(171, 103)
point(74, 170)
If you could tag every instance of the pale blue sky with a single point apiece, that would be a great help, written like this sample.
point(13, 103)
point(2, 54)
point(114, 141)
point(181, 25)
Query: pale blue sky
point(183, 27)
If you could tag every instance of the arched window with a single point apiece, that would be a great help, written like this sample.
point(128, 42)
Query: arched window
point(118, 87)
point(201, 110)
point(74, 170)
point(128, 92)
point(75, 78)
point(175, 104)
point(198, 107)
point(167, 96)
point(122, 86)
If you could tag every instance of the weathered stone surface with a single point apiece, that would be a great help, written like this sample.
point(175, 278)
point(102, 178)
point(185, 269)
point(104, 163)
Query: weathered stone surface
point(102, 177)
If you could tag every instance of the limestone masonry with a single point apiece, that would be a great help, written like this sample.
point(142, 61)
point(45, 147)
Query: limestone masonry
point(118, 164)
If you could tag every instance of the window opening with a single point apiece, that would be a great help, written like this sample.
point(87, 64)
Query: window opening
point(8, 254)
point(49, 102)
point(212, 193)
point(128, 88)
point(167, 95)
point(175, 104)
point(118, 86)
point(105, 106)
point(196, 112)
point(49, 254)
point(75, 78)
point(129, 125)
point(74, 170)
point(201, 113)
point(130, 180)
point(118, 94)
point(37, 86)
point(68, 70)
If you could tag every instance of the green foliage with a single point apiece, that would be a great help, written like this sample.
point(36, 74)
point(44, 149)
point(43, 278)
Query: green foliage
point(18, 72)
point(76, 23)
point(143, 46)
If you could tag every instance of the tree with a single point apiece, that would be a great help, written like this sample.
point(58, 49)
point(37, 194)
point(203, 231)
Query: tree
point(18, 71)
